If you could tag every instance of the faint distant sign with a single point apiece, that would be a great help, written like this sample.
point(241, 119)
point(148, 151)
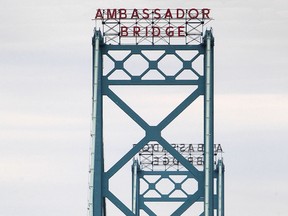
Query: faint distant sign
point(154, 156)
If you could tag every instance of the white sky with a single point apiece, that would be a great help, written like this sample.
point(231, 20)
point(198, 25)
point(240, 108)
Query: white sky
point(45, 103)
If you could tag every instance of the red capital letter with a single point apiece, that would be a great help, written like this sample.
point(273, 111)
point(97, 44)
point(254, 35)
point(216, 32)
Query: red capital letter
point(136, 30)
point(168, 14)
point(205, 13)
point(135, 14)
point(155, 33)
point(146, 13)
point(156, 12)
point(178, 13)
point(99, 14)
point(124, 31)
point(169, 33)
point(122, 14)
point(191, 15)
point(111, 13)
point(181, 32)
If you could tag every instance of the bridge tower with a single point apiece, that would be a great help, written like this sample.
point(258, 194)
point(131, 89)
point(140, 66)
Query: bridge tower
point(178, 166)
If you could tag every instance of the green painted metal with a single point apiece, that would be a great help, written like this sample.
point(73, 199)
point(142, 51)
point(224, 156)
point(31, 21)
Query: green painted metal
point(102, 84)
point(220, 187)
point(208, 124)
point(135, 187)
point(97, 171)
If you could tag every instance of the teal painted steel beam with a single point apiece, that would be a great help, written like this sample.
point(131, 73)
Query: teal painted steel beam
point(137, 81)
point(121, 206)
point(138, 48)
point(98, 200)
point(208, 124)
point(135, 187)
point(186, 204)
point(126, 158)
point(130, 112)
point(179, 109)
point(220, 188)
point(148, 210)
point(101, 87)
point(196, 173)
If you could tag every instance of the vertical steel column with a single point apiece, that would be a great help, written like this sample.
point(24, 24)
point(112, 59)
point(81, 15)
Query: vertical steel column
point(98, 203)
point(208, 123)
point(135, 188)
point(220, 188)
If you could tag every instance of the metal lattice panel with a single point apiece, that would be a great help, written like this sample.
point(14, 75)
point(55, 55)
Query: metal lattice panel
point(153, 59)
point(156, 29)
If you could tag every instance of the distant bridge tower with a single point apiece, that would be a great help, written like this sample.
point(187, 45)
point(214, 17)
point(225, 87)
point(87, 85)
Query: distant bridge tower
point(190, 175)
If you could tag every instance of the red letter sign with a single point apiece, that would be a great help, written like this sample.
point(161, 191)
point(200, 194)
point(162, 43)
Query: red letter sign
point(99, 14)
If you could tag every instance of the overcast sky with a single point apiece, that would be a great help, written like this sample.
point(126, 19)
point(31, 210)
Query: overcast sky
point(45, 103)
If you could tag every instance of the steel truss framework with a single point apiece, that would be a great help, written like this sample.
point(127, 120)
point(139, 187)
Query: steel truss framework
point(209, 181)
point(154, 157)
point(193, 29)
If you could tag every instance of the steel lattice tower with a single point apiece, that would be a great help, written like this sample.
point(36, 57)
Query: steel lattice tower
point(210, 180)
